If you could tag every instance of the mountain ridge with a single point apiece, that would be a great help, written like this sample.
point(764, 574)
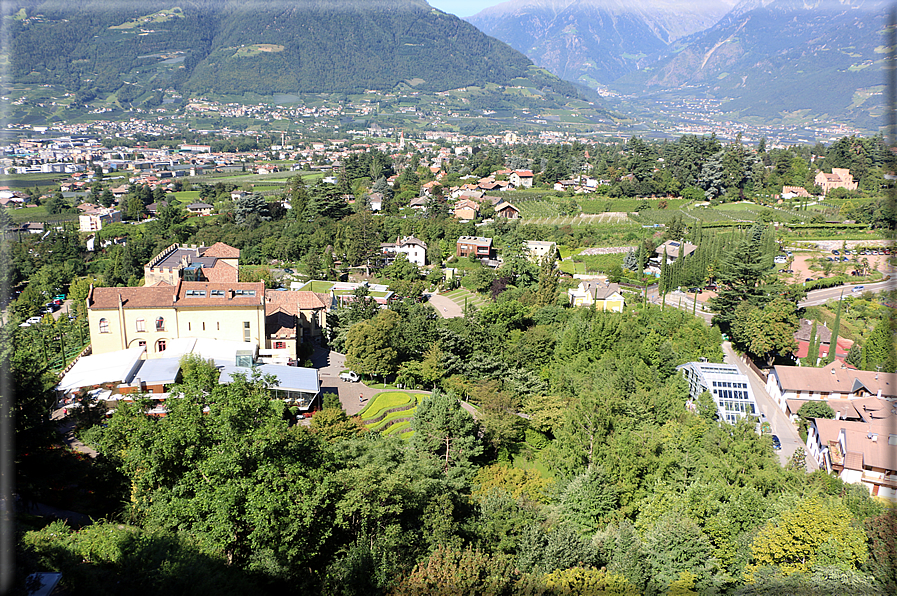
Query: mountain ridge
point(280, 46)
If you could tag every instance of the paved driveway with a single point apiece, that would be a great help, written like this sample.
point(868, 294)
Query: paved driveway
point(446, 308)
point(330, 364)
point(781, 426)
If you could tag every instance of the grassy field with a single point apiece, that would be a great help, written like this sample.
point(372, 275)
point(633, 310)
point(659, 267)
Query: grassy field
point(39, 214)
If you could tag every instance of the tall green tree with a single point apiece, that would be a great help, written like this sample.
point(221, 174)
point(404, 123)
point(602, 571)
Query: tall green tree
point(445, 431)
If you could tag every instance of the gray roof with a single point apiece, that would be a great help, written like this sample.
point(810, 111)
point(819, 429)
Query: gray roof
point(159, 370)
point(291, 378)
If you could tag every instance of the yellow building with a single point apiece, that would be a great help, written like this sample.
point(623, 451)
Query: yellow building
point(605, 296)
point(122, 318)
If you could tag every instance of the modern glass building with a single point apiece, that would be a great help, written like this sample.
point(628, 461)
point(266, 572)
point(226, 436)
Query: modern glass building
point(730, 389)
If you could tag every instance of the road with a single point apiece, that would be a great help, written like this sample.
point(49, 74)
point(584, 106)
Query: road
point(814, 298)
point(781, 426)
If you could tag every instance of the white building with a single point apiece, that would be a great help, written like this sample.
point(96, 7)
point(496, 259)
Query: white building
point(835, 381)
point(860, 447)
point(414, 249)
point(730, 389)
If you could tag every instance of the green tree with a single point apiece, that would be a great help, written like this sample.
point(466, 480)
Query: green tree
point(250, 210)
point(798, 539)
point(369, 345)
point(878, 353)
point(836, 329)
point(445, 431)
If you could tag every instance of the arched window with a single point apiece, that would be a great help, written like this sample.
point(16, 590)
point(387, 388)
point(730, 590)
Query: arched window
point(160, 345)
point(104, 326)
point(160, 324)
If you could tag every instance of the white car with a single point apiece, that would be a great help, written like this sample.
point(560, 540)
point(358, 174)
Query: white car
point(349, 376)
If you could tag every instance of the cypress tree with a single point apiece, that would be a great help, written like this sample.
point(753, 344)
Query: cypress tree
point(836, 327)
point(813, 350)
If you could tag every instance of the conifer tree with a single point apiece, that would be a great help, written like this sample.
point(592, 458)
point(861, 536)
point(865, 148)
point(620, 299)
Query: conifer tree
point(836, 327)
point(813, 349)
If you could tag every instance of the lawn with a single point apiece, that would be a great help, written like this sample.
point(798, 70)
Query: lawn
point(38, 214)
point(384, 401)
point(462, 295)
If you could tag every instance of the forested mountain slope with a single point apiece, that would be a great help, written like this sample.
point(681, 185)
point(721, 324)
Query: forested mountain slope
point(263, 46)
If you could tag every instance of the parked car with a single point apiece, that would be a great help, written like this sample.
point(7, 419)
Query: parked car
point(33, 320)
point(835, 252)
point(349, 376)
point(776, 443)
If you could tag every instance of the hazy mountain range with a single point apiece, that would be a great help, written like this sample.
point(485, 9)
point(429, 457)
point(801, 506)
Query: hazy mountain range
point(596, 41)
point(770, 59)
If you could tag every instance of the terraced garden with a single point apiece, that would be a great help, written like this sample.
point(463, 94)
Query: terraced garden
point(461, 294)
point(390, 413)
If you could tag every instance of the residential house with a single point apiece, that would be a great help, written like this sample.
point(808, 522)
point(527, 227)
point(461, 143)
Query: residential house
point(823, 336)
point(833, 381)
point(789, 192)
point(474, 247)
point(506, 210)
point(674, 250)
point(839, 178)
point(521, 178)
point(375, 200)
point(537, 250)
point(602, 294)
point(862, 450)
point(200, 209)
point(729, 388)
point(419, 203)
point(466, 209)
point(415, 250)
point(94, 219)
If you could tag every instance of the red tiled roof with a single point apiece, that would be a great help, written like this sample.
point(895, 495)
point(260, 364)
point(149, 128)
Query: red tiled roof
point(221, 273)
point(146, 297)
point(222, 251)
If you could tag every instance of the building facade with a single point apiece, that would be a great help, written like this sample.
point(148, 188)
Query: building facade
point(730, 389)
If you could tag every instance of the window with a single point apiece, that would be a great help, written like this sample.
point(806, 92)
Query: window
point(104, 326)
point(246, 331)
point(196, 293)
point(141, 343)
point(219, 293)
point(203, 326)
point(280, 345)
point(141, 325)
point(219, 326)
point(244, 292)
point(160, 345)
point(188, 327)
point(160, 324)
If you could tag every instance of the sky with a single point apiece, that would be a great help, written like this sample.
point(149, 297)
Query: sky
point(463, 8)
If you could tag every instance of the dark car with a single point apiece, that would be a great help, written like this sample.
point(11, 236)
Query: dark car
point(776, 443)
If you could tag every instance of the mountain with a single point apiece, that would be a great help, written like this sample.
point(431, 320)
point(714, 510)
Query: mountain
point(596, 41)
point(230, 47)
point(780, 60)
